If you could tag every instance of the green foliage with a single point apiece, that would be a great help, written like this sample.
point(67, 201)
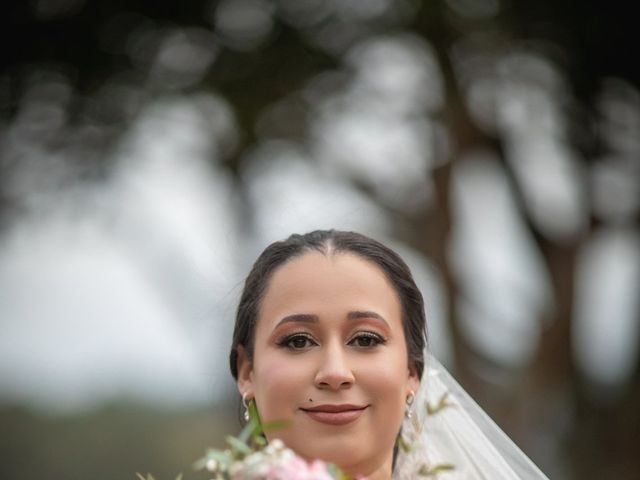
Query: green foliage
point(440, 405)
point(151, 477)
point(251, 442)
point(435, 470)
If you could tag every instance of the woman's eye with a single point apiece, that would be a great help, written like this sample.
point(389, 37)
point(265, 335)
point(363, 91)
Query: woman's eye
point(297, 342)
point(366, 340)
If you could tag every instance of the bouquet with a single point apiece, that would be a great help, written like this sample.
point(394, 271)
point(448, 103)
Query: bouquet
point(249, 457)
point(274, 462)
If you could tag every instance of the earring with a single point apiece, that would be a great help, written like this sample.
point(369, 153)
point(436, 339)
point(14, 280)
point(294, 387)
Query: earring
point(245, 415)
point(410, 398)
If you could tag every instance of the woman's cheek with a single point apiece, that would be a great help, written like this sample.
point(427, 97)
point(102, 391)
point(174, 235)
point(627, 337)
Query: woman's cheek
point(281, 378)
point(382, 369)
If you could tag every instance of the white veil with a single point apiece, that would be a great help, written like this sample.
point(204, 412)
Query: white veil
point(450, 437)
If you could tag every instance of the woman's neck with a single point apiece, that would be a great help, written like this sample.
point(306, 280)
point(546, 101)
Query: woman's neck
point(380, 472)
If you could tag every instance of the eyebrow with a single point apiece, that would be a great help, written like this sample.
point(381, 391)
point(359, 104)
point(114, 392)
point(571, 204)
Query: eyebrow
point(311, 318)
point(366, 314)
point(299, 317)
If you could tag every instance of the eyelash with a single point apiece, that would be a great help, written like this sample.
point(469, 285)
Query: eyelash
point(378, 339)
point(286, 341)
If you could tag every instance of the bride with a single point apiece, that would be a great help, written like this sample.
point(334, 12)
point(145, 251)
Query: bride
point(330, 337)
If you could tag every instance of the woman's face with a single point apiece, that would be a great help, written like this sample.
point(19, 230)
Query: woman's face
point(330, 358)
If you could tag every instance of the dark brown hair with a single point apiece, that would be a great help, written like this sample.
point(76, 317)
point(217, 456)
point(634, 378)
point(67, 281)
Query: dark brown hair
point(328, 242)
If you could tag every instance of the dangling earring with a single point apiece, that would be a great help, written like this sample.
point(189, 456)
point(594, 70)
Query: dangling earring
point(410, 398)
point(245, 415)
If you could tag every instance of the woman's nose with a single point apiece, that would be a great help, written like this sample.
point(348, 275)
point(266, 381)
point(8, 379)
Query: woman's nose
point(334, 371)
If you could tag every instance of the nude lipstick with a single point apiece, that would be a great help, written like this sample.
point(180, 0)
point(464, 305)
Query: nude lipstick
point(335, 414)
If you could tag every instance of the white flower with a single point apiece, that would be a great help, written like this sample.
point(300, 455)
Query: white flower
point(212, 465)
point(277, 444)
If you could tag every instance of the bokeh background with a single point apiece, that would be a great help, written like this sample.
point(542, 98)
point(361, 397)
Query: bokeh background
point(149, 150)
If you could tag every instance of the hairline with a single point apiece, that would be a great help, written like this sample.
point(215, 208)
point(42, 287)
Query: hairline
point(329, 249)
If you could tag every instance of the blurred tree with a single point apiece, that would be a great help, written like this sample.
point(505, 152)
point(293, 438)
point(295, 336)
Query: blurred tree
point(109, 58)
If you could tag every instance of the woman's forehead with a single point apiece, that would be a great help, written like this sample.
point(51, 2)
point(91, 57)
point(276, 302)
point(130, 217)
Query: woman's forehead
point(315, 271)
point(328, 283)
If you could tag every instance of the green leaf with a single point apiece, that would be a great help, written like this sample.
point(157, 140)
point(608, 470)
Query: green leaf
point(442, 403)
point(433, 471)
point(275, 425)
point(403, 445)
point(239, 446)
point(141, 477)
point(199, 464)
point(223, 458)
point(251, 429)
point(253, 413)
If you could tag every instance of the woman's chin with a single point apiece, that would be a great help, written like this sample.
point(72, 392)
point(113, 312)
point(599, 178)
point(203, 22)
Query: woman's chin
point(351, 456)
point(317, 448)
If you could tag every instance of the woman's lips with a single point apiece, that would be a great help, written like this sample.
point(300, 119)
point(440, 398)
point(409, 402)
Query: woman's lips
point(335, 414)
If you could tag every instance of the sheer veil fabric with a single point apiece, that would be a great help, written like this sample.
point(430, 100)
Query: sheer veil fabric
point(450, 437)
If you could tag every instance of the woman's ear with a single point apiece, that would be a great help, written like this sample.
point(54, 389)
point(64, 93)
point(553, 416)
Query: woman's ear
point(245, 372)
